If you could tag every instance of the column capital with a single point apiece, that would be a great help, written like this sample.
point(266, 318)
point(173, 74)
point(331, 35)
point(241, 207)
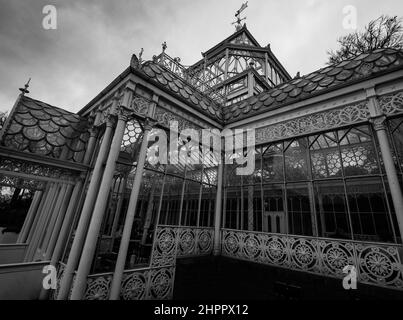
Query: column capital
point(110, 119)
point(94, 131)
point(149, 124)
point(124, 113)
point(378, 122)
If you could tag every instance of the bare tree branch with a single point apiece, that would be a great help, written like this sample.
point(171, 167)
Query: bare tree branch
point(383, 32)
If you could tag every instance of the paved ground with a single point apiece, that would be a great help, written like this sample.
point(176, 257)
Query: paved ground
point(218, 278)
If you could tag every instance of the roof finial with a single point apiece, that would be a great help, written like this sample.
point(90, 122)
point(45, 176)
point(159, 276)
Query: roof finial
point(237, 23)
point(141, 55)
point(164, 46)
point(26, 86)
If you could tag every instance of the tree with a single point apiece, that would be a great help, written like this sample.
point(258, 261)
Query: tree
point(383, 32)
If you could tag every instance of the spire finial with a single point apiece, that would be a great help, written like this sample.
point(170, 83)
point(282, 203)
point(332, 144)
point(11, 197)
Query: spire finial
point(237, 23)
point(26, 86)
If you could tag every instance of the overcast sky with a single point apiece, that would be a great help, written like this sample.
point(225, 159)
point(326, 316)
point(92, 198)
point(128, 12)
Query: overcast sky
point(94, 40)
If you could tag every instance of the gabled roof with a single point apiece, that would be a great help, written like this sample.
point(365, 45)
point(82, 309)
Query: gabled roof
point(232, 37)
point(254, 46)
point(326, 79)
point(39, 128)
point(172, 83)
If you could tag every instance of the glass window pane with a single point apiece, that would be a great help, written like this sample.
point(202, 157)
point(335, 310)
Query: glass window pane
point(358, 152)
point(272, 166)
point(170, 209)
point(190, 203)
point(299, 210)
point(396, 135)
point(369, 210)
point(295, 156)
point(325, 156)
point(331, 208)
point(273, 207)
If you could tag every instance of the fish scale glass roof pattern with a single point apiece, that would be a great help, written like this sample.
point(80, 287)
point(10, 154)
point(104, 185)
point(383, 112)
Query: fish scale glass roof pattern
point(179, 88)
point(39, 128)
point(356, 69)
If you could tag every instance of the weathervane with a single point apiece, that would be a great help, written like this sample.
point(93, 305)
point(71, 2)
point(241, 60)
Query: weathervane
point(238, 21)
point(26, 86)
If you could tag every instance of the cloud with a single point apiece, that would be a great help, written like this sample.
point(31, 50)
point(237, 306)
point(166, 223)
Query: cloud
point(95, 38)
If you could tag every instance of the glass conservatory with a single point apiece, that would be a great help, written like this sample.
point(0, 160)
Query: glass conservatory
point(79, 192)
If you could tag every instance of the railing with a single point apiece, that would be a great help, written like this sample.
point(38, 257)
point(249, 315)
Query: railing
point(12, 253)
point(156, 281)
point(137, 284)
point(195, 241)
point(376, 263)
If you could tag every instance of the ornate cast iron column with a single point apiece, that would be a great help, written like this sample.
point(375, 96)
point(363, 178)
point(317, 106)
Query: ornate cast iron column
point(90, 244)
point(121, 197)
point(58, 223)
point(217, 219)
point(397, 197)
point(378, 123)
point(33, 210)
point(48, 204)
point(131, 211)
point(93, 137)
point(86, 211)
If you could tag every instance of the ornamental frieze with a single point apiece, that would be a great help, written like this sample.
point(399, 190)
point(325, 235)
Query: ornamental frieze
point(163, 117)
point(35, 169)
point(21, 183)
point(313, 123)
point(391, 103)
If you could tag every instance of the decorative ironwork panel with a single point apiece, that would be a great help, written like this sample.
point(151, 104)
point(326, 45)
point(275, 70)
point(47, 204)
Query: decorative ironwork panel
point(376, 264)
point(140, 105)
point(195, 241)
point(164, 247)
point(274, 250)
point(391, 104)
point(98, 287)
point(17, 182)
point(161, 282)
point(34, 169)
point(157, 281)
point(303, 254)
point(134, 285)
point(313, 123)
point(334, 256)
point(379, 265)
point(163, 117)
point(142, 284)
